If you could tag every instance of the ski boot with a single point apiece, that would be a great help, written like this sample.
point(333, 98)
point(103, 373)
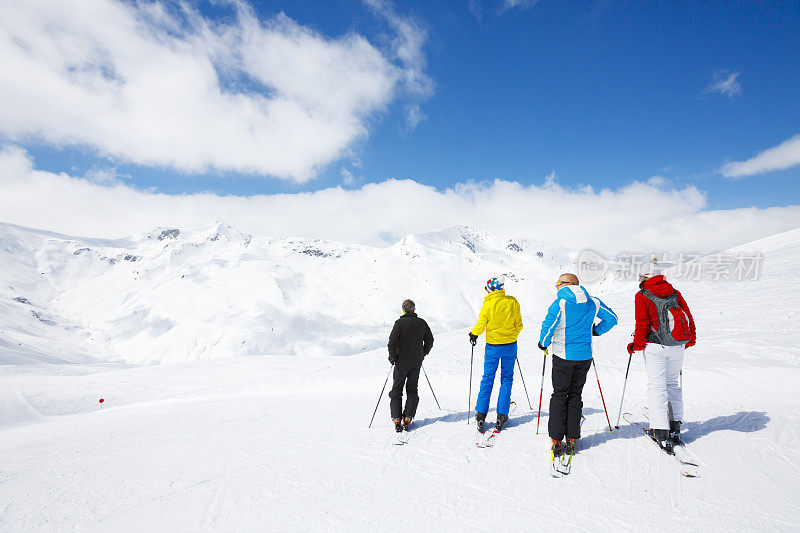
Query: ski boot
point(570, 445)
point(661, 437)
point(556, 457)
point(556, 448)
point(398, 426)
point(675, 432)
point(481, 419)
point(406, 423)
point(501, 422)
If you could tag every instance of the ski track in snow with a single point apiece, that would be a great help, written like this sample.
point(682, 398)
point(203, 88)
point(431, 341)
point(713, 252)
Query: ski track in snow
point(281, 442)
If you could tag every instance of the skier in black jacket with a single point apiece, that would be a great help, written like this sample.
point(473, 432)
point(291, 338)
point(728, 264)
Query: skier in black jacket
point(410, 341)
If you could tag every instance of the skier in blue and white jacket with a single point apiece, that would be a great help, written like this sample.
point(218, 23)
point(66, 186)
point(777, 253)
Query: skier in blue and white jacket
point(567, 332)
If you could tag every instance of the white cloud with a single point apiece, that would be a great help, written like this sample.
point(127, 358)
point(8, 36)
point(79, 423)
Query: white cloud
point(407, 47)
point(414, 115)
point(785, 155)
point(726, 83)
point(158, 84)
point(511, 4)
point(347, 177)
point(657, 181)
point(640, 216)
point(475, 8)
point(105, 176)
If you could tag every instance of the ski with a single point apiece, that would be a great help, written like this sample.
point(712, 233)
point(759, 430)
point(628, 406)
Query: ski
point(490, 437)
point(401, 437)
point(406, 434)
point(680, 449)
point(480, 437)
point(555, 462)
point(687, 457)
point(687, 468)
point(563, 466)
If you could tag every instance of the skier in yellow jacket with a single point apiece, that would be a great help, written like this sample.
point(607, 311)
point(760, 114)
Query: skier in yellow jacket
point(501, 318)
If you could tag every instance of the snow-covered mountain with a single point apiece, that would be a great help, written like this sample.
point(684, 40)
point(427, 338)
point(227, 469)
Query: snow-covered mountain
point(178, 294)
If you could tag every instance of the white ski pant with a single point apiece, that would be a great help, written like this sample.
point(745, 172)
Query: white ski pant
point(663, 365)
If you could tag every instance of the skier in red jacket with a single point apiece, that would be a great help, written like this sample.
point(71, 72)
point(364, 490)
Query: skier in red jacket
point(664, 328)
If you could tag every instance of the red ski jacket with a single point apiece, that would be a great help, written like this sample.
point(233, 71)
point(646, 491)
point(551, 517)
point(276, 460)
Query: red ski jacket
point(647, 315)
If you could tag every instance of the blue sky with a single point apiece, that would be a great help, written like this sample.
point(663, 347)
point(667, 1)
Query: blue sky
point(239, 99)
point(601, 93)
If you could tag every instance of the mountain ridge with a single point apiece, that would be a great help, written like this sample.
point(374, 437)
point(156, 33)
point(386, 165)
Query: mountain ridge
point(211, 291)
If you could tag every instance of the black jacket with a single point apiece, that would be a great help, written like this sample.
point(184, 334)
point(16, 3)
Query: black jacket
point(411, 340)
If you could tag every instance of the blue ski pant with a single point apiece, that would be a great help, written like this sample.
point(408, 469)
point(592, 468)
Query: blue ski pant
point(503, 355)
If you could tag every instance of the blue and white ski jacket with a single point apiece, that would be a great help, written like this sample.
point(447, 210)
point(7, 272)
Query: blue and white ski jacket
point(567, 328)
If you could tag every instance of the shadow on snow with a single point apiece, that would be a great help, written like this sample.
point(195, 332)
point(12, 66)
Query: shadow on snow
point(514, 421)
point(743, 421)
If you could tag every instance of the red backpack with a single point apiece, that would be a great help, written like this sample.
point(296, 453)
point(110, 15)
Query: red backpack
point(673, 322)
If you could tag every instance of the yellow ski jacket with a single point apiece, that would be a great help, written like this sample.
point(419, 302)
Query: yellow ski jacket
point(500, 317)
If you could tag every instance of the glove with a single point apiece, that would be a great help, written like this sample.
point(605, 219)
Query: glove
point(393, 358)
point(473, 339)
point(630, 349)
point(594, 333)
point(542, 348)
point(688, 344)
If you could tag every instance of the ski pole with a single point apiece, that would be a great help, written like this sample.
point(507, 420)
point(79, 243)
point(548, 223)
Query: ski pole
point(469, 401)
point(541, 390)
point(601, 396)
point(624, 385)
point(523, 384)
point(431, 386)
point(381, 396)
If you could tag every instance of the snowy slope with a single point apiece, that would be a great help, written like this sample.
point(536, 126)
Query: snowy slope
point(281, 442)
point(206, 292)
point(30, 329)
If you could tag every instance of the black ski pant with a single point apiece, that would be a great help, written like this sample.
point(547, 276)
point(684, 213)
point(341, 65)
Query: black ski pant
point(569, 377)
point(408, 376)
